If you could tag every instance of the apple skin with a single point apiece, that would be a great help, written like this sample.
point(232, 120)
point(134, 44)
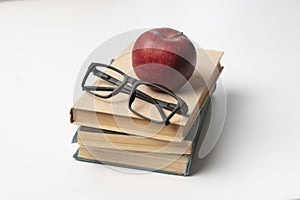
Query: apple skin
point(165, 57)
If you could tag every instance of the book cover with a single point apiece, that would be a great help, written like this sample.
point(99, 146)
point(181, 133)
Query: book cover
point(98, 113)
point(184, 160)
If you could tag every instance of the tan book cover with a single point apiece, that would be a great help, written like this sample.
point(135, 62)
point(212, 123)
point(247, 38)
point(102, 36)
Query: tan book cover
point(113, 114)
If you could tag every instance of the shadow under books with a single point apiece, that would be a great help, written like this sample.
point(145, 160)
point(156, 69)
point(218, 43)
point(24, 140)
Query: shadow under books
point(199, 165)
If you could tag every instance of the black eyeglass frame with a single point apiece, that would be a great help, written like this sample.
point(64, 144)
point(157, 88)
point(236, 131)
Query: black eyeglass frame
point(123, 86)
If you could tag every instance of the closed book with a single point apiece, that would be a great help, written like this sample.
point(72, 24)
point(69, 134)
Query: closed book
point(113, 113)
point(168, 161)
point(115, 140)
point(101, 138)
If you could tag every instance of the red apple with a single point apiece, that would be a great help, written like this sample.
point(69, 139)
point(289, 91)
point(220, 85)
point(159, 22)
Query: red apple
point(165, 57)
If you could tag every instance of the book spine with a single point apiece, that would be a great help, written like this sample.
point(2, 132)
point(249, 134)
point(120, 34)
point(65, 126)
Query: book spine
point(201, 116)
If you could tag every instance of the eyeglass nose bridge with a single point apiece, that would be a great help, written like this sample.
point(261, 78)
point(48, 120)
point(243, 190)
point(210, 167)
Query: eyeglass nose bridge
point(131, 80)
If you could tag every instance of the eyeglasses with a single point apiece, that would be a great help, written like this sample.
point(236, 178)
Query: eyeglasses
point(143, 103)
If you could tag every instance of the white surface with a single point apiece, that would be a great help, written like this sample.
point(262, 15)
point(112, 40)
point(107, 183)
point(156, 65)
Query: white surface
point(44, 43)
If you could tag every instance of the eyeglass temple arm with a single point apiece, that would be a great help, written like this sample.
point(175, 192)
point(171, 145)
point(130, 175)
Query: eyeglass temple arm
point(139, 94)
point(97, 88)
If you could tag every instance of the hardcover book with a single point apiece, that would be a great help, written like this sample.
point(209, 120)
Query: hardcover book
point(123, 150)
point(113, 114)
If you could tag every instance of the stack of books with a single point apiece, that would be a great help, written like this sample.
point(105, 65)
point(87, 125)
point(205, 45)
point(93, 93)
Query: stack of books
point(109, 133)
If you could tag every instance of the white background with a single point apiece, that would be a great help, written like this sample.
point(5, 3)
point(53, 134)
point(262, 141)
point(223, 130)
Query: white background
point(44, 43)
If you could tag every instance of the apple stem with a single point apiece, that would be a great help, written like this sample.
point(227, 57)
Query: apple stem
point(176, 35)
